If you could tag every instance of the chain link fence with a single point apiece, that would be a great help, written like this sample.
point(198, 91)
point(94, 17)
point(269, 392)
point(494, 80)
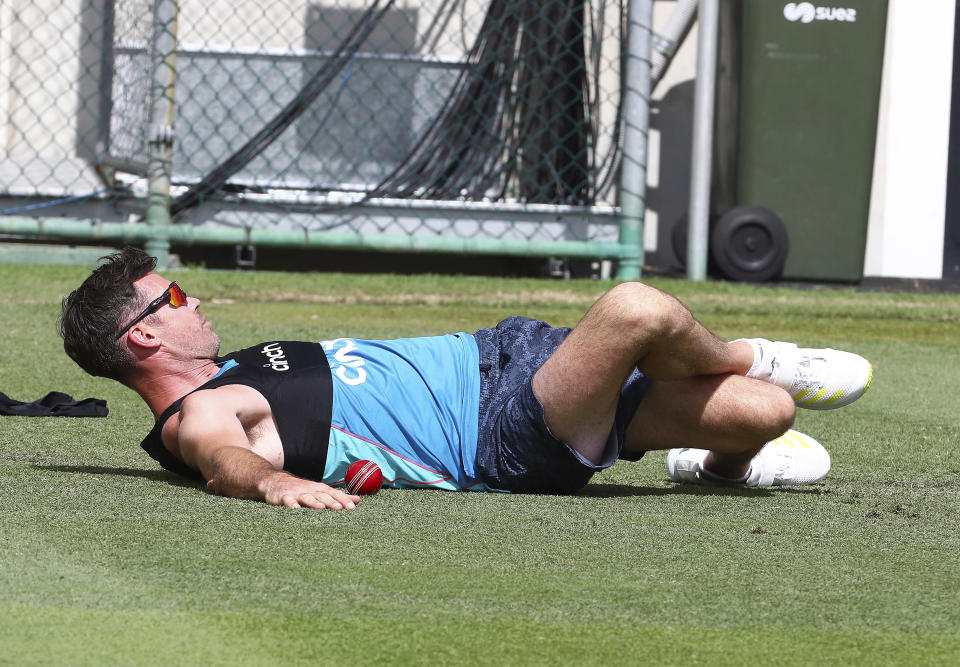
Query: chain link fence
point(479, 126)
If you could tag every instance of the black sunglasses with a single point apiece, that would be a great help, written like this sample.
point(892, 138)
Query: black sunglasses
point(173, 295)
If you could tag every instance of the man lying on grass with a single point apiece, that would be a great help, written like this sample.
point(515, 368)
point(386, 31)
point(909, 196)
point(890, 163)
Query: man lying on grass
point(521, 407)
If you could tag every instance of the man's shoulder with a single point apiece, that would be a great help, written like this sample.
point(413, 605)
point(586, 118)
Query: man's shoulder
point(220, 399)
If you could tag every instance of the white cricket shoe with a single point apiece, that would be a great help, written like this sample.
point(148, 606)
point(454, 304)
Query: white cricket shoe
point(817, 379)
point(793, 458)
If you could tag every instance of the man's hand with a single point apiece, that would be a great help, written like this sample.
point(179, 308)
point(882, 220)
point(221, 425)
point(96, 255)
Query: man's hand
point(285, 489)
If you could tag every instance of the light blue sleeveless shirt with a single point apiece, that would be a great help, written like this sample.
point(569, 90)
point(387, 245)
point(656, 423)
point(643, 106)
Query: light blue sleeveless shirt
point(411, 405)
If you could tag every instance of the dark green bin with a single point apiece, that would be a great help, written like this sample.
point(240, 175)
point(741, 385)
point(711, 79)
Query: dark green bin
point(808, 96)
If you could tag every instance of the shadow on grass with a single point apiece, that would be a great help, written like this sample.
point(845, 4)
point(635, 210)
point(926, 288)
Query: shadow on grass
point(626, 490)
point(590, 491)
point(153, 475)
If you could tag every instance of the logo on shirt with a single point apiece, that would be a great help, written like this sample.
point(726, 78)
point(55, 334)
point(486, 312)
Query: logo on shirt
point(346, 366)
point(276, 358)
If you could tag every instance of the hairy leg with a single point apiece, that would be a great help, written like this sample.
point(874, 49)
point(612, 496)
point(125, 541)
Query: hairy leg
point(731, 415)
point(631, 326)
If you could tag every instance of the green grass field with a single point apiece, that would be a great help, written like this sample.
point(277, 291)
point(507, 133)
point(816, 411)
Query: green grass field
point(106, 559)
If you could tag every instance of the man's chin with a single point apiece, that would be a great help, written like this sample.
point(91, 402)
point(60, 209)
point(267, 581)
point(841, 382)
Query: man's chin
point(210, 345)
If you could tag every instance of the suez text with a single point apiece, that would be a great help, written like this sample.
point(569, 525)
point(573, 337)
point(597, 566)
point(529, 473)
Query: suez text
point(806, 12)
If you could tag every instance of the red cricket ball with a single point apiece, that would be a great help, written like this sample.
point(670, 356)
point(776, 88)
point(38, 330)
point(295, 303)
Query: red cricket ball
point(363, 478)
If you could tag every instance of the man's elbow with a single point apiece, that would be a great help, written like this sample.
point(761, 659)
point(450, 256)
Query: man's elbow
point(216, 486)
point(239, 473)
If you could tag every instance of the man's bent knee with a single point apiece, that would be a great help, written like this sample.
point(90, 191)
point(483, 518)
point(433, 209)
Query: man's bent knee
point(777, 414)
point(644, 311)
point(755, 411)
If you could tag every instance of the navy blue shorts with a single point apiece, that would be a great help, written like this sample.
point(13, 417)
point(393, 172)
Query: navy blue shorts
point(516, 451)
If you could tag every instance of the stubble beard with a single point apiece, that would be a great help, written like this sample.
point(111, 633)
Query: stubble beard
point(215, 344)
point(204, 346)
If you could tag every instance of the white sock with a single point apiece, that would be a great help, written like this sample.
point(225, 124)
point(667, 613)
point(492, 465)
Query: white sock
point(758, 369)
point(720, 479)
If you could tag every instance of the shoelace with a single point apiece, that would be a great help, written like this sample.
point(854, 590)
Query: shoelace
point(808, 370)
point(781, 462)
point(784, 464)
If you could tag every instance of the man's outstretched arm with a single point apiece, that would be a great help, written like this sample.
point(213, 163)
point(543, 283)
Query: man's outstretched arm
point(213, 441)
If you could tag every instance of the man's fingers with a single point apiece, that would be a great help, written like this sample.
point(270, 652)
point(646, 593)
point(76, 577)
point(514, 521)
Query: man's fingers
point(323, 498)
point(312, 501)
point(345, 499)
point(337, 500)
point(331, 501)
point(321, 501)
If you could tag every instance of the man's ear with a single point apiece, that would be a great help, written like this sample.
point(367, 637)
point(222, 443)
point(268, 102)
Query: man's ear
point(142, 337)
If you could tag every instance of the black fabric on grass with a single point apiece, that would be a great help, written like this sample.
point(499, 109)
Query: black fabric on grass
point(54, 404)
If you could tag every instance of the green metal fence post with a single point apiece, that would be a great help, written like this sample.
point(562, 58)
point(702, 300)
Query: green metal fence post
point(160, 128)
point(698, 239)
point(636, 113)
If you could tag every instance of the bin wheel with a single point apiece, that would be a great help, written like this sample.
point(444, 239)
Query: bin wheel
point(749, 244)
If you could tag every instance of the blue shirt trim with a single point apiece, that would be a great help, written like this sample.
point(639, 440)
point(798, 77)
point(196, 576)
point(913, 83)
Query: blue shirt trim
point(227, 365)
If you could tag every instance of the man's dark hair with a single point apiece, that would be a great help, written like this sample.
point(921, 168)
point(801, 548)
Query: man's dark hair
point(94, 312)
